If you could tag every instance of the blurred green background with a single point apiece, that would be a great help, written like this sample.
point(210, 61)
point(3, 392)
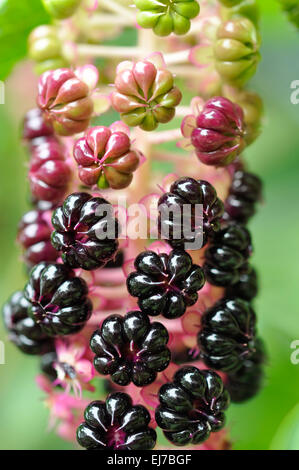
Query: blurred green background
point(271, 421)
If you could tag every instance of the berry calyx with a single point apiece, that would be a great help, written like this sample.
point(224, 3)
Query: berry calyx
point(226, 257)
point(145, 95)
point(167, 16)
point(192, 406)
point(130, 349)
point(218, 135)
point(57, 299)
point(165, 284)
point(227, 335)
point(86, 231)
point(244, 193)
point(194, 195)
point(105, 158)
point(236, 50)
point(116, 424)
point(49, 173)
point(65, 101)
point(23, 331)
point(34, 235)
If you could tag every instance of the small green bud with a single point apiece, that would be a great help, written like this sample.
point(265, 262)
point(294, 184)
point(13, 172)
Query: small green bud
point(61, 9)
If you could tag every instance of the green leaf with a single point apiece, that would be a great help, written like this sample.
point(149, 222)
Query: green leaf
point(287, 435)
point(17, 19)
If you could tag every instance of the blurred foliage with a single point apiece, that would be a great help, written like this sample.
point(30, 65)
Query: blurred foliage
point(272, 419)
point(17, 19)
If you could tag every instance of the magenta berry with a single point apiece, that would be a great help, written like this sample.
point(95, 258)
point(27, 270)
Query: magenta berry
point(49, 173)
point(218, 136)
point(34, 235)
point(35, 125)
point(106, 158)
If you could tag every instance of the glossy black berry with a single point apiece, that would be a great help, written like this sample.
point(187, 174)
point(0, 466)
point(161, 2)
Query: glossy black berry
point(165, 284)
point(187, 194)
point(85, 231)
point(227, 255)
point(116, 424)
point(192, 406)
point(227, 335)
point(23, 331)
point(245, 192)
point(58, 300)
point(247, 286)
point(246, 382)
point(130, 349)
point(34, 235)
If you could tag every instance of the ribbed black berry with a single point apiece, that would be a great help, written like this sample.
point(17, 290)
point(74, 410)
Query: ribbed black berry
point(58, 300)
point(247, 286)
point(192, 406)
point(226, 257)
point(85, 231)
point(245, 192)
point(246, 382)
point(130, 349)
point(227, 335)
point(23, 331)
point(165, 284)
point(116, 424)
point(189, 193)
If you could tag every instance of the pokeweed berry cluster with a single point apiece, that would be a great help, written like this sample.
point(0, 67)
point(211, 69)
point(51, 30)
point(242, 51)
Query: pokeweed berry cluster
point(93, 288)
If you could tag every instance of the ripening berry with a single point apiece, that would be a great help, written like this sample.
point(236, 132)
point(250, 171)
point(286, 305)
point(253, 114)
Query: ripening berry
point(218, 137)
point(35, 126)
point(145, 95)
point(106, 158)
point(23, 331)
point(116, 424)
point(61, 9)
point(65, 101)
point(227, 335)
point(86, 231)
point(187, 192)
point(57, 299)
point(165, 284)
point(45, 48)
point(192, 406)
point(130, 349)
point(34, 235)
point(236, 50)
point(167, 16)
point(49, 173)
point(227, 255)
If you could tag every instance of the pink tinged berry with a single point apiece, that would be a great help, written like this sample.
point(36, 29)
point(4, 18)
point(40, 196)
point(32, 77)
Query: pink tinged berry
point(65, 101)
point(218, 135)
point(49, 173)
point(105, 158)
point(35, 125)
point(34, 235)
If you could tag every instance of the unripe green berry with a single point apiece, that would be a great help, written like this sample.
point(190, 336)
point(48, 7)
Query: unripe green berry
point(61, 9)
point(45, 48)
point(245, 9)
point(236, 51)
point(166, 16)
